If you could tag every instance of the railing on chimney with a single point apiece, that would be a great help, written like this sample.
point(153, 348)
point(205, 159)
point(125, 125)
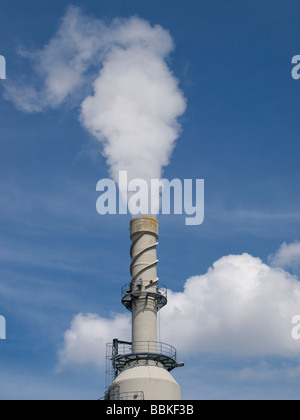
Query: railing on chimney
point(120, 353)
point(160, 294)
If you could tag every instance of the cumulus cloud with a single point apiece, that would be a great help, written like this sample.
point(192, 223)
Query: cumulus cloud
point(85, 341)
point(240, 306)
point(288, 255)
point(130, 99)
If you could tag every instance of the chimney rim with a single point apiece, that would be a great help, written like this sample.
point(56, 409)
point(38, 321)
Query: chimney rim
point(144, 217)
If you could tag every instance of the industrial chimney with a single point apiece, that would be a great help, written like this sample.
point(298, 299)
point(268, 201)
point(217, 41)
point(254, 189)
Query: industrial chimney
point(141, 369)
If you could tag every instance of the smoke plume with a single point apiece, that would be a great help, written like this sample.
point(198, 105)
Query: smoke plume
point(128, 97)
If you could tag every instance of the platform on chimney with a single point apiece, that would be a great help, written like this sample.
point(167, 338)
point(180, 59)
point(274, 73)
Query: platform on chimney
point(123, 353)
point(160, 295)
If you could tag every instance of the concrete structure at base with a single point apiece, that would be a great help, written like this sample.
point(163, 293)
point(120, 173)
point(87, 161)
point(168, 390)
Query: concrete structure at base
point(140, 369)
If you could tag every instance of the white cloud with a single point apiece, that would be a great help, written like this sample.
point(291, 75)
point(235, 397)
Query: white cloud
point(85, 341)
point(240, 306)
point(288, 255)
point(264, 371)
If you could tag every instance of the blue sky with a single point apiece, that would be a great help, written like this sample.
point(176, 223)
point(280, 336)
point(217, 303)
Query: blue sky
point(240, 132)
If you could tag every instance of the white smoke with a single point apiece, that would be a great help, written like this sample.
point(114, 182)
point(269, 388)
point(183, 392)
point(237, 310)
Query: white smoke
point(239, 306)
point(61, 68)
point(135, 104)
point(134, 111)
